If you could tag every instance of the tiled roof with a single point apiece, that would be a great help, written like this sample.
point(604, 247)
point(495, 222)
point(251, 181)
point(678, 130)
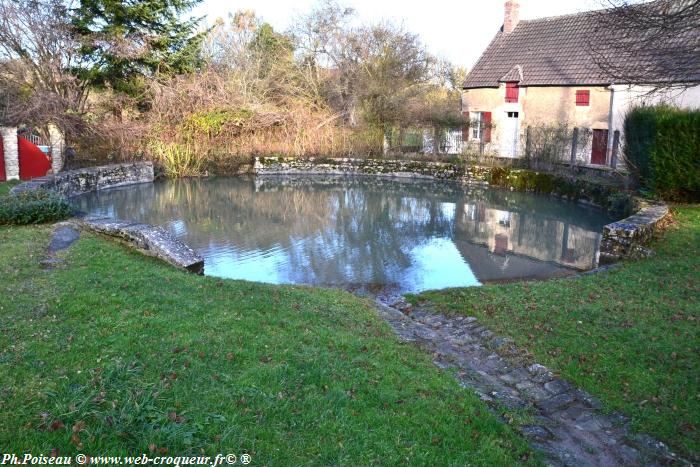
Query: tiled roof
point(515, 74)
point(549, 51)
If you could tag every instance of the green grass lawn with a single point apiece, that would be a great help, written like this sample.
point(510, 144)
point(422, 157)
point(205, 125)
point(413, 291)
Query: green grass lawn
point(114, 352)
point(6, 186)
point(630, 336)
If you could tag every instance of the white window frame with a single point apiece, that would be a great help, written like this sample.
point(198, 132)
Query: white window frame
point(476, 132)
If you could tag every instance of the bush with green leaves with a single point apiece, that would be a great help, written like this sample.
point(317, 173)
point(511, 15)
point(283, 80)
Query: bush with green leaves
point(663, 150)
point(34, 207)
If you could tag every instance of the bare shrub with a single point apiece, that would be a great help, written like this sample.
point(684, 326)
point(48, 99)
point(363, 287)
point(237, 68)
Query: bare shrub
point(205, 116)
point(548, 147)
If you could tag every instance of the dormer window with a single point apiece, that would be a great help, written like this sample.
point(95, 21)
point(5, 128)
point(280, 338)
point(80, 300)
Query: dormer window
point(512, 93)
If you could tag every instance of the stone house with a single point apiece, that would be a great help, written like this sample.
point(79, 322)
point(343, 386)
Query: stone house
point(541, 72)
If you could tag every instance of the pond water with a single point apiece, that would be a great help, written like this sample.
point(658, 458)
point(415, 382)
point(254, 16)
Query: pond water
point(409, 235)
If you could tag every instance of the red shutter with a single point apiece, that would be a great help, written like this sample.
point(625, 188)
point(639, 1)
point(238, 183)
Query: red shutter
point(465, 127)
point(512, 92)
point(583, 98)
point(487, 127)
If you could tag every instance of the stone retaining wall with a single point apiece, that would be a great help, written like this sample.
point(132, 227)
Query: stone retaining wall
point(627, 238)
point(380, 167)
point(77, 182)
point(148, 239)
point(622, 239)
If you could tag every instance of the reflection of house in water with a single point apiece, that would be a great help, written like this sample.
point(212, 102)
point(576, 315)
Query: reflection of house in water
point(521, 244)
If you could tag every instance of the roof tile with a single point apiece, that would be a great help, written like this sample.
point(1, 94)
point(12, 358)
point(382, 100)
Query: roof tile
point(548, 51)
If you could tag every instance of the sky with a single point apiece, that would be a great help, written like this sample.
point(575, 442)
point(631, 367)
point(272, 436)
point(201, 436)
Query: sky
point(457, 30)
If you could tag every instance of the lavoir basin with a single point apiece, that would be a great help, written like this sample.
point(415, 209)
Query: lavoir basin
point(408, 235)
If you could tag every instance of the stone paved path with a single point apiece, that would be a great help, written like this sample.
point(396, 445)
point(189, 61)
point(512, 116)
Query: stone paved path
point(63, 236)
point(568, 427)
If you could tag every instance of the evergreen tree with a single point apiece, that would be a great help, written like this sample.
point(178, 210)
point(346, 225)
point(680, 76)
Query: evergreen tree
point(127, 39)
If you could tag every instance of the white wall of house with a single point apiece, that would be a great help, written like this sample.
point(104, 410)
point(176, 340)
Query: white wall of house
point(478, 101)
point(544, 105)
point(625, 98)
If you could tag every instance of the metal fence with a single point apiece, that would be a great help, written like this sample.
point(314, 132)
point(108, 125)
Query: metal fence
point(426, 141)
point(552, 148)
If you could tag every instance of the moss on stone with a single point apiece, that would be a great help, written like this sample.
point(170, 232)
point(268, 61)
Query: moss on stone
point(613, 200)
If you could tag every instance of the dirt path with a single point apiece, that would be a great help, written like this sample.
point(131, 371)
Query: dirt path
point(568, 425)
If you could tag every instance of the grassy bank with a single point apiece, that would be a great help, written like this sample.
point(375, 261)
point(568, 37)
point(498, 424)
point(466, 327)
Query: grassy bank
point(6, 186)
point(113, 352)
point(631, 336)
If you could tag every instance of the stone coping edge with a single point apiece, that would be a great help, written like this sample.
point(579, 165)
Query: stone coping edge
point(77, 182)
point(627, 238)
point(150, 240)
point(378, 167)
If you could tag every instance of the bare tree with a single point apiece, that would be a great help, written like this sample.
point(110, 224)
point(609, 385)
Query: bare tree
point(37, 56)
point(655, 43)
point(372, 69)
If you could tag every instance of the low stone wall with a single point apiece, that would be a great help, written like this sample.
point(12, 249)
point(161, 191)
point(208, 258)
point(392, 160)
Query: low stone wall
point(622, 239)
point(378, 167)
point(77, 182)
point(150, 240)
point(627, 238)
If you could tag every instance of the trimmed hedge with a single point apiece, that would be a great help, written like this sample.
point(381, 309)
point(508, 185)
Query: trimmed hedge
point(34, 207)
point(663, 150)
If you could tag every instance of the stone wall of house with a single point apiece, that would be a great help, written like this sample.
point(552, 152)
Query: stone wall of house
point(10, 152)
point(550, 105)
point(76, 182)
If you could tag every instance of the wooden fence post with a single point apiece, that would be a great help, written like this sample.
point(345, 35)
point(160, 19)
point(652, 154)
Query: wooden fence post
point(574, 144)
point(615, 149)
point(528, 145)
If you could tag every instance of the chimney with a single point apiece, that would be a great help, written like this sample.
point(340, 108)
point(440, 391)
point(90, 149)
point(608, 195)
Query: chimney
point(512, 16)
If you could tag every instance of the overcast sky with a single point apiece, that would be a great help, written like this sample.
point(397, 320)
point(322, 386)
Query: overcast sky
point(458, 30)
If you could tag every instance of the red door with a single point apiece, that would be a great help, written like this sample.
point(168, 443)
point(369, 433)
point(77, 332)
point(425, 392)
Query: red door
point(32, 161)
point(600, 147)
point(2, 164)
point(501, 247)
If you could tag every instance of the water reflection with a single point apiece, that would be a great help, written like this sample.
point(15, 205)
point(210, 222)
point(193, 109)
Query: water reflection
point(413, 235)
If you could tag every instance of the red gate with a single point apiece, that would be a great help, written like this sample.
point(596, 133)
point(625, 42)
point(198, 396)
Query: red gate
point(2, 163)
point(32, 160)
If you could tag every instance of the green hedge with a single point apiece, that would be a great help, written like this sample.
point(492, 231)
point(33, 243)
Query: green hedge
point(34, 207)
point(663, 150)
